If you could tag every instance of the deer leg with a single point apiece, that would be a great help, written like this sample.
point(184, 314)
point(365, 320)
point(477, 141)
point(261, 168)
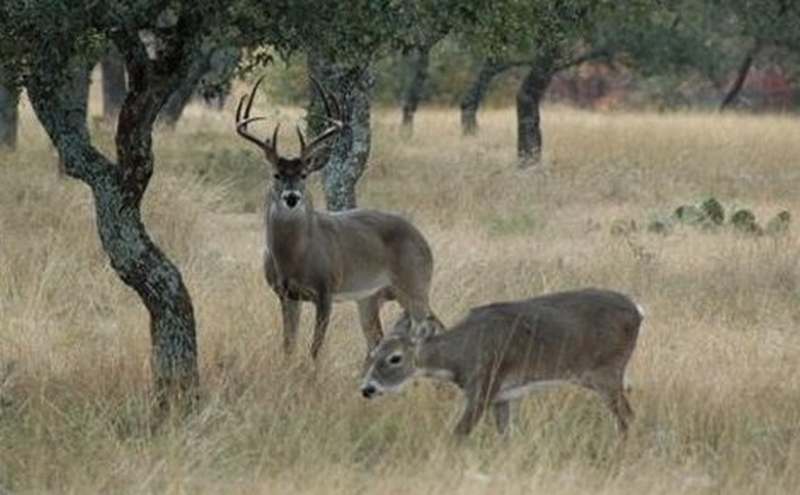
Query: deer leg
point(369, 313)
point(622, 411)
point(290, 309)
point(475, 406)
point(323, 305)
point(612, 391)
point(502, 416)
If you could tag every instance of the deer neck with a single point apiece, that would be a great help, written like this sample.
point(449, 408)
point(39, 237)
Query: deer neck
point(290, 232)
point(432, 360)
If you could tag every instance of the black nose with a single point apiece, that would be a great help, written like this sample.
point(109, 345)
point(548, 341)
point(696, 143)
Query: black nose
point(368, 391)
point(292, 199)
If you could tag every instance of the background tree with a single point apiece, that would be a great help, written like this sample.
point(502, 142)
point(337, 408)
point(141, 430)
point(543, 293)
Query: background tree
point(427, 25)
point(488, 69)
point(552, 36)
point(112, 69)
point(9, 114)
point(763, 27)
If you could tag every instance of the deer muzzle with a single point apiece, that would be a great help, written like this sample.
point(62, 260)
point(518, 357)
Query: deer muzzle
point(291, 199)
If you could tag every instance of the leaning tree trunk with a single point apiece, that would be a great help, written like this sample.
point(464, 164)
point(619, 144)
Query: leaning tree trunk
point(114, 88)
point(9, 115)
point(741, 77)
point(173, 109)
point(347, 159)
point(212, 59)
point(472, 99)
point(529, 98)
point(118, 189)
point(418, 62)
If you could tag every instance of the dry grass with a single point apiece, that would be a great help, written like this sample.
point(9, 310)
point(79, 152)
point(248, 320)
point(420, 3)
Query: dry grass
point(717, 371)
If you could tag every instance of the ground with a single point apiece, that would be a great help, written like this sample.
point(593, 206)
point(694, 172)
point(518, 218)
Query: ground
point(716, 374)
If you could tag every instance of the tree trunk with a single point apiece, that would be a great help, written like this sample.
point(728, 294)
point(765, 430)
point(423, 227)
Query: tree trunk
point(418, 63)
point(114, 87)
point(173, 109)
point(9, 116)
point(347, 159)
point(77, 84)
point(212, 63)
point(529, 98)
point(118, 189)
point(477, 90)
point(741, 76)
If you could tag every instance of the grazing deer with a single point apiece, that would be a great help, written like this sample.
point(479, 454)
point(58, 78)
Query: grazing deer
point(503, 351)
point(358, 255)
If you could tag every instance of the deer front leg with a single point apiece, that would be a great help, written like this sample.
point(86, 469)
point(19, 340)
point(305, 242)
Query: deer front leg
point(476, 401)
point(290, 310)
point(323, 304)
point(369, 314)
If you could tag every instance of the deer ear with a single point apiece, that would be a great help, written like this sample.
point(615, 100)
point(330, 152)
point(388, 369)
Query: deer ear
point(426, 329)
point(402, 326)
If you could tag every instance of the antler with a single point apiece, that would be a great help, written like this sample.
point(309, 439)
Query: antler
point(270, 147)
point(333, 117)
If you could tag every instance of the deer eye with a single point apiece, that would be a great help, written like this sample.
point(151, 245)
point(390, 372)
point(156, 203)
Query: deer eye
point(276, 176)
point(303, 175)
point(395, 359)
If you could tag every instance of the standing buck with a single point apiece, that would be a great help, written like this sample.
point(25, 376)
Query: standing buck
point(503, 351)
point(358, 255)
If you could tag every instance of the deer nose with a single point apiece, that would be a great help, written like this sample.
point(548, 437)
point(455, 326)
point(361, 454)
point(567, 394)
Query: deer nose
point(368, 391)
point(291, 198)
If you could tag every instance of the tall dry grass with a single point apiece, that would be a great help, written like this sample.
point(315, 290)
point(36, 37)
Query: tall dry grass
point(716, 373)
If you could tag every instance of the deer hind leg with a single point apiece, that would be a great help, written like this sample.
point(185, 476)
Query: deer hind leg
point(290, 310)
point(369, 310)
point(323, 305)
point(620, 407)
point(609, 386)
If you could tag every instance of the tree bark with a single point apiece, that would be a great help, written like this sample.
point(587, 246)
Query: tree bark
point(475, 93)
point(9, 116)
point(77, 84)
point(118, 189)
point(741, 77)
point(529, 98)
point(114, 86)
point(347, 159)
point(418, 63)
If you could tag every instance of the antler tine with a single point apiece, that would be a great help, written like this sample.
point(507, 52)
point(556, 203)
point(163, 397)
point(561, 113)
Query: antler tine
point(301, 138)
point(275, 137)
point(332, 117)
point(243, 119)
point(252, 97)
point(327, 98)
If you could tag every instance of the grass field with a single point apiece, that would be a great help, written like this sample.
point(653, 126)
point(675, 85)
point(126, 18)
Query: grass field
point(716, 372)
